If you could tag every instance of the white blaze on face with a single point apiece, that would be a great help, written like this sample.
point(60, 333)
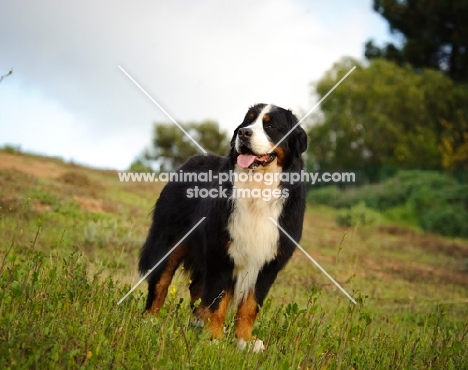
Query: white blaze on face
point(259, 141)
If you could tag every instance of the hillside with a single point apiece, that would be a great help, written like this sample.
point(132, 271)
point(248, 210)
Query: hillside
point(61, 217)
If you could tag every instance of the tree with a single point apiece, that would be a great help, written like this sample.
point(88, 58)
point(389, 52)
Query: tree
point(384, 115)
point(435, 35)
point(171, 147)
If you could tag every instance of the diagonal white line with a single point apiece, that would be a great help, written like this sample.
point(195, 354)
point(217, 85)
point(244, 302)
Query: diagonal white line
point(314, 261)
point(162, 109)
point(315, 106)
point(161, 260)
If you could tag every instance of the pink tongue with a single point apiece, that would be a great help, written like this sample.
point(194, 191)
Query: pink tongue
point(245, 160)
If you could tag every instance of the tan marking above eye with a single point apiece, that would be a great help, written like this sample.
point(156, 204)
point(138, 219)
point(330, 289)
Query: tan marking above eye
point(250, 116)
point(266, 118)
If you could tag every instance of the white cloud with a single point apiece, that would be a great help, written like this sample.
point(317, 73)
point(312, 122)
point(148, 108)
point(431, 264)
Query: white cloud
point(36, 121)
point(199, 60)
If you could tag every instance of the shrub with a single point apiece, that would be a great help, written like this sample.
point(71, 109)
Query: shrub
point(11, 149)
point(433, 200)
point(460, 195)
point(381, 196)
point(448, 220)
point(139, 166)
point(403, 213)
point(397, 190)
point(357, 216)
point(329, 195)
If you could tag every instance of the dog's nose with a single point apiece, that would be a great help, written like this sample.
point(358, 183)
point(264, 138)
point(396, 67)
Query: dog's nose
point(245, 133)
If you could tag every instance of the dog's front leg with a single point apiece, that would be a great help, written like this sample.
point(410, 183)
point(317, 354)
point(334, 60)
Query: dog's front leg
point(217, 292)
point(246, 314)
point(213, 314)
point(248, 308)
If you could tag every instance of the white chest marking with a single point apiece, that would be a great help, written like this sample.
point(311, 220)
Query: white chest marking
point(254, 238)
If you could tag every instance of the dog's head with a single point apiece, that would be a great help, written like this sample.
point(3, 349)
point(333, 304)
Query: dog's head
point(254, 144)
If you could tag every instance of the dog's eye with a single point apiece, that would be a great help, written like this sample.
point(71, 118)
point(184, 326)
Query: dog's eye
point(267, 122)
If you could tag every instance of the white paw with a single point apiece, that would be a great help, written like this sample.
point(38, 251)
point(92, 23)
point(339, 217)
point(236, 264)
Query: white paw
point(258, 346)
point(241, 344)
point(255, 346)
point(198, 323)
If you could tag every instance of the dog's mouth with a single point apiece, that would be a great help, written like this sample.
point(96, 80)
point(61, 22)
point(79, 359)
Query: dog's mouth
point(248, 160)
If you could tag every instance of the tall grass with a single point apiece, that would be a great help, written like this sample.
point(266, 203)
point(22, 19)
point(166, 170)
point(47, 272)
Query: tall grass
point(55, 314)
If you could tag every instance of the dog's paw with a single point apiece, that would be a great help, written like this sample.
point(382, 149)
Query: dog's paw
point(255, 346)
point(258, 346)
point(241, 344)
point(198, 323)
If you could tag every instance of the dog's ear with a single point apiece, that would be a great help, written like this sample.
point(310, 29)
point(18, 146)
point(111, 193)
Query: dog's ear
point(301, 138)
point(298, 136)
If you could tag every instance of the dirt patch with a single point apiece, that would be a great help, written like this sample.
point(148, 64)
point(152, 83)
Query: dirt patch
point(145, 188)
point(39, 207)
point(90, 205)
point(30, 165)
point(396, 230)
point(427, 241)
point(80, 184)
point(75, 178)
point(13, 181)
point(412, 272)
point(13, 187)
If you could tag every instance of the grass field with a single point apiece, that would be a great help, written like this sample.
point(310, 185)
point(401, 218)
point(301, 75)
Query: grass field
point(69, 242)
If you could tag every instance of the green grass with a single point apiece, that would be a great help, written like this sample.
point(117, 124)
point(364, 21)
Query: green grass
point(68, 253)
point(55, 314)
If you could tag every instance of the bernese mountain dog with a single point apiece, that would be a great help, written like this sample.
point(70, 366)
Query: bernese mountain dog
point(235, 254)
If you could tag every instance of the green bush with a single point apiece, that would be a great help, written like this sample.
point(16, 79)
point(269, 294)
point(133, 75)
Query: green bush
point(329, 195)
point(380, 196)
point(357, 216)
point(139, 166)
point(403, 214)
point(448, 220)
point(460, 195)
point(432, 200)
point(425, 199)
point(403, 186)
point(11, 149)
point(391, 193)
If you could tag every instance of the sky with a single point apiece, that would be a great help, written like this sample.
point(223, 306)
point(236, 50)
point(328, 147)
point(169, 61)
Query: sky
point(199, 60)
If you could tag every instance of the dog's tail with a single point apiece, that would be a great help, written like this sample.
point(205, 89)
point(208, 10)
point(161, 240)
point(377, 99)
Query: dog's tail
point(162, 235)
point(149, 252)
point(157, 244)
point(169, 224)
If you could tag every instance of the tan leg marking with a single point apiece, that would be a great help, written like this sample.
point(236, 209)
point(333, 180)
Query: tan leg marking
point(161, 287)
point(215, 318)
point(245, 317)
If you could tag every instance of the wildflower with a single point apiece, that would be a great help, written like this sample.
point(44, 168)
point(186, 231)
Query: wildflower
point(173, 290)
